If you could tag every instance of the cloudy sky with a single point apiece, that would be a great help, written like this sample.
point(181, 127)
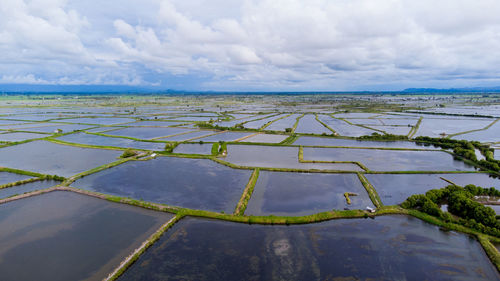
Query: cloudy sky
point(278, 45)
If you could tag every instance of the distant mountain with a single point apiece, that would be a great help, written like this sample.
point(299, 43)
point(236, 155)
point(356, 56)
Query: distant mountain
point(454, 90)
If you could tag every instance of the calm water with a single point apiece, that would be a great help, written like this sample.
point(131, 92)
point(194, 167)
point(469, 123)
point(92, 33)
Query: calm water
point(309, 125)
point(27, 187)
point(259, 123)
point(433, 127)
point(390, 160)
point(19, 136)
point(395, 188)
point(6, 177)
point(489, 135)
point(323, 141)
point(277, 157)
point(385, 248)
point(54, 159)
point(146, 132)
point(193, 135)
point(267, 138)
point(282, 124)
point(226, 136)
point(298, 194)
point(68, 236)
point(90, 139)
point(191, 183)
point(343, 128)
point(99, 120)
point(194, 148)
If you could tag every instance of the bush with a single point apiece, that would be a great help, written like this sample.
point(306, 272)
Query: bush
point(128, 153)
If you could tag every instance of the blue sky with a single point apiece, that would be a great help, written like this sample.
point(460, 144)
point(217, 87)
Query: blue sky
point(270, 45)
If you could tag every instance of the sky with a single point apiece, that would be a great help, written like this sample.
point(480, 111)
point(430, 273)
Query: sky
point(252, 45)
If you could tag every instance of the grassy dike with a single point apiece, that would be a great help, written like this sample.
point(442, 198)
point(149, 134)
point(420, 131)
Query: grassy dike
point(372, 192)
point(134, 256)
point(247, 194)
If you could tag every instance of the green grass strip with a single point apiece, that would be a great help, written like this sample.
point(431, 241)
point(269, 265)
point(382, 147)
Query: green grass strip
point(372, 192)
point(324, 124)
point(128, 261)
point(247, 194)
point(414, 130)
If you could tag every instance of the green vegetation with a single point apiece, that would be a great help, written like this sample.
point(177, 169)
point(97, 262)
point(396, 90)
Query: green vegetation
point(465, 149)
point(247, 194)
point(460, 203)
point(215, 149)
point(372, 193)
point(169, 147)
point(347, 198)
point(129, 152)
point(385, 137)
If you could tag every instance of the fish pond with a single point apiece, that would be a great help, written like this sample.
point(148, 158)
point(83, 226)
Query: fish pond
point(191, 183)
point(325, 141)
point(146, 132)
point(27, 187)
point(299, 194)
point(277, 157)
point(54, 159)
point(194, 148)
point(91, 139)
point(67, 236)
point(390, 160)
point(395, 188)
point(384, 248)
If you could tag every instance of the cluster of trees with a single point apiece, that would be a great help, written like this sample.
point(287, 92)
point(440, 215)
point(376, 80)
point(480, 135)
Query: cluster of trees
point(465, 149)
point(128, 153)
point(387, 137)
point(460, 203)
point(169, 147)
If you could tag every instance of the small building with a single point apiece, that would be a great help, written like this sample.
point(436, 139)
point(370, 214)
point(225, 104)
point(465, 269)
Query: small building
point(370, 209)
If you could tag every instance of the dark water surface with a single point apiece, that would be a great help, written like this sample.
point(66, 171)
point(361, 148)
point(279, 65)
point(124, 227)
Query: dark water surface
point(384, 248)
point(191, 183)
point(67, 236)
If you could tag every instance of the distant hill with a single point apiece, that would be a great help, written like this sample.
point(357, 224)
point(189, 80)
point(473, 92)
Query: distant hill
point(454, 90)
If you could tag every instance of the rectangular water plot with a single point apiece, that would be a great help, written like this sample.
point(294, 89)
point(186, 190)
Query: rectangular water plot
point(259, 123)
point(67, 236)
point(20, 136)
point(91, 139)
point(57, 128)
point(147, 133)
point(266, 138)
point(189, 136)
point(226, 136)
point(27, 187)
point(6, 177)
point(384, 248)
point(99, 120)
point(343, 128)
point(390, 160)
point(194, 148)
point(395, 188)
point(54, 159)
point(283, 124)
point(190, 183)
point(278, 157)
point(299, 194)
point(309, 125)
point(324, 141)
point(434, 127)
